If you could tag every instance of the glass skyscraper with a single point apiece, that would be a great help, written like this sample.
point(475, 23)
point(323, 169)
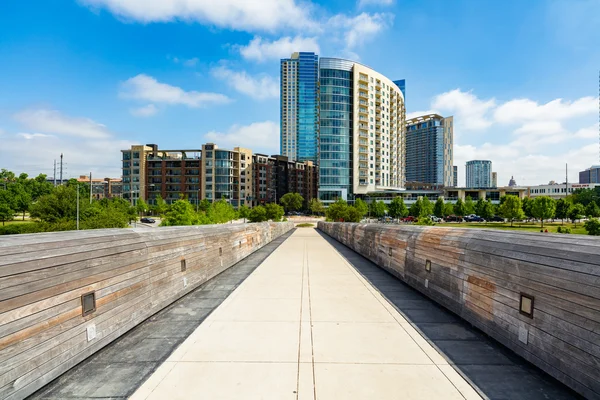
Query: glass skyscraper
point(335, 165)
point(299, 119)
point(429, 144)
point(348, 118)
point(479, 174)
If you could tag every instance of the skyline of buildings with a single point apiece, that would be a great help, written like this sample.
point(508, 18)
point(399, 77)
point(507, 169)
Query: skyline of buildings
point(239, 175)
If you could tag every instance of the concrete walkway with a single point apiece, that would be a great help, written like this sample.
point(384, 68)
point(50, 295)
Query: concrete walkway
point(305, 325)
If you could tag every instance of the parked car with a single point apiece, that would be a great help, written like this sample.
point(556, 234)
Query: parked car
point(409, 219)
point(496, 218)
point(147, 220)
point(474, 218)
point(453, 218)
point(435, 219)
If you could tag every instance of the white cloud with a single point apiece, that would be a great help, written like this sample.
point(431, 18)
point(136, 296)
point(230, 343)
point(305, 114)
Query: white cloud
point(86, 145)
point(264, 15)
point(522, 110)
point(588, 133)
point(540, 128)
point(258, 136)
point(53, 122)
point(191, 62)
point(30, 136)
point(363, 3)
point(263, 50)
point(261, 87)
point(145, 111)
point(471, 113)
point(361, 28)
point(144, 87)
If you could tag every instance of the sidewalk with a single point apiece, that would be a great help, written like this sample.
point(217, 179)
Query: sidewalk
point(305, 325)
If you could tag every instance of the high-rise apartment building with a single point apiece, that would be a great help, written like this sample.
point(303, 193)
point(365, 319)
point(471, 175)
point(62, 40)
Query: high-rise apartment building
point(362, 131)
point(299, 107)
point(134, 172)
point(226, 174)
point(274, 176)
point(479, 174)
point(401, 83)
point(429, 150)
point(590, 175)
point(455, 175)
point(494, 179)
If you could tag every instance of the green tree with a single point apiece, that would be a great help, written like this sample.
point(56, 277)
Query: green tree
point(353, 214)
point(543, 207)
point(459, 208)
point(244, 212)
point(469, 206)
point(576, 211)
point(6, 213)
point(180, 213)
point(397, 208)
point(448, 209)
point(416, 208)
point(60, 205)
point(562, 209)
point(592, 210)
point(378, 209)
point(161, 207)
point(527, 206)
point(220, 212)
point(21, 198)
point(258, 214)
point(337, 211)
point(479, 204)
point(292, 201)
point(585, 196)
point(438, 208)
point(427, 206)
point(511, 208)
point(316, 207)
point(141, 207)
point(361, 207)
point(274, 212)
point(204, 205)
point(592, 226)
point(487, 210)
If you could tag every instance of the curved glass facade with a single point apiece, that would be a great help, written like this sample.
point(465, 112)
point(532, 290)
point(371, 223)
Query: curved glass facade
point(335, 167)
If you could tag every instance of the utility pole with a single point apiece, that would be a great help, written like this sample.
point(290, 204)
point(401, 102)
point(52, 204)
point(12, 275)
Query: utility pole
point(61, 168)
point(54, 173)
point(77, 205)
point(91, 185)
point(566, 180)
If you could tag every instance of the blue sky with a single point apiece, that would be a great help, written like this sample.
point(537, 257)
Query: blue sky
point(91, 77)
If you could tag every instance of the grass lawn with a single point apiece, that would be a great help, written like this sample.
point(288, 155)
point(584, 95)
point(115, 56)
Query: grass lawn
point(519, 226)
point(17, 221)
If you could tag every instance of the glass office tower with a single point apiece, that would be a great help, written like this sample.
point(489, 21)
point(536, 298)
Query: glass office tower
point(479, 174)
point(429, 148)
point(299, 119)
point(335, 165)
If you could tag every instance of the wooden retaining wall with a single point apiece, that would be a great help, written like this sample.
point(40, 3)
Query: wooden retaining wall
point(134, 273)
point(481, 274)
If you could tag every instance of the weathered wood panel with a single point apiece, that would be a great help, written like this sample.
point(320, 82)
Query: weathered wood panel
point(480, 275)
point(134, 273)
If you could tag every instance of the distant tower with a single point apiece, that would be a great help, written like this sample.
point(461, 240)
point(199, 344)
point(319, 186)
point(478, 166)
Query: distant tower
point(512, 182)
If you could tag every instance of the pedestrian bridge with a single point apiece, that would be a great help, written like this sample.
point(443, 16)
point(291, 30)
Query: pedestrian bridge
point(301, 317)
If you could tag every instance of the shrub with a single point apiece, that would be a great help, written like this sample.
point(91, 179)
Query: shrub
point(563, 229)
point(305, 225)
point(592, 227)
